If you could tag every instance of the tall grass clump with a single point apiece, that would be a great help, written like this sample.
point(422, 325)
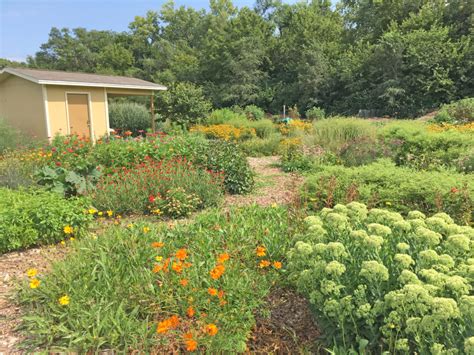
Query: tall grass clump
point(334, 133)
point(129, 116)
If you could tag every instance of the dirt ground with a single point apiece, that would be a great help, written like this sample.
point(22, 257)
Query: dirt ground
point(285, 327)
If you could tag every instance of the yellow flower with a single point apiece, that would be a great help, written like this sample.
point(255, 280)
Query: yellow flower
point(274, 205)
point(157, 211)
point(31, 272)
point(100, 213)
point(130, 225)
point(34, 283)
point(146, 229)
point(71, 239)
point(388, 203)
point(63, 242)
point(68, 229)
point(64, 300)
point(261, 251)
point(158, 258)
point(92, 210)
point(110, 213)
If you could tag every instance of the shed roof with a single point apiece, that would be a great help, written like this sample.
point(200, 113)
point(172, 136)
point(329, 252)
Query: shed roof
point(55, 77)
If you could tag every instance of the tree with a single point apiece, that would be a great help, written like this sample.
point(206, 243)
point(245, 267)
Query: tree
point(183, 104)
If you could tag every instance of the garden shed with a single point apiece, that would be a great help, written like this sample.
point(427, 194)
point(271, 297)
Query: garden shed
point(44, 103)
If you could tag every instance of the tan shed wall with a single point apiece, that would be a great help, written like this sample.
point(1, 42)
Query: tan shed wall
point(57, 108)
point(22, 106)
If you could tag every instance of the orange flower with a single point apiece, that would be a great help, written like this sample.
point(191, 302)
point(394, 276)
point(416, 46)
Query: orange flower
point(174, 320)
point(157, 244)
point(190, 312)
point(178, 267)
point(277, 265)
point(184, 282)
point(212, 291)
point(157, 268)
point(217, 272)
point(263, 264)
point(222, 302)
point(187, 335)
point(181, 254)
point(220, 294)
point(165, 265)
point(261, 251)
point(187, 264)
point(191, 344)
point(211, 329)
point(223, 258)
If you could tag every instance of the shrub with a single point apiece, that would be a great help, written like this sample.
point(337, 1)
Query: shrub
point(184, 103)
point(385, 283)
point(315, 113)
point(254, 113)
point(293, 158)
point(262, 146)
point(459, 112)
point(225, 157)
point(154, 186)
point(35, 217)
point(224, 116)
point(263, 128)
point(412, 144)
point(382, 184)
point(129, 116)
point(124, 283)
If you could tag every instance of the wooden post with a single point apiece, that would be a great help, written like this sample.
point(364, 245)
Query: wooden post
point(152, 110)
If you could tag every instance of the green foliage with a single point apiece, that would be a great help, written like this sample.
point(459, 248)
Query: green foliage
point(254, 112)
point(184, 104)
point(384, 282)
point(458, 112)
point(383, 184)
point(66, 182)
point(17, 169)
point(225, 157)
point(412, 144)
point(129, 116)
point(36, 217)
point(315, 113)
point(174, 187)
point(11, 138)
point(119, 306)
point(261, 146)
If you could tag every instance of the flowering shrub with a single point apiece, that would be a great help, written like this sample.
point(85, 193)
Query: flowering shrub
point(176, 187)
point(35, 217)
point(383, 184)
point(226, 132)
point(295, 126)
point(385, 282)
point(160, 288)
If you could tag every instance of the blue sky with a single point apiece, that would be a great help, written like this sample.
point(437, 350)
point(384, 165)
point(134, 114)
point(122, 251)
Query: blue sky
point(25, 24)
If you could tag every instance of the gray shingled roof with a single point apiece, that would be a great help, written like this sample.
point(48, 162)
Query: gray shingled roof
point(54, 77)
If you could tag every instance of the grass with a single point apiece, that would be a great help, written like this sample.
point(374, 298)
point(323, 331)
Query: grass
point(116, 300)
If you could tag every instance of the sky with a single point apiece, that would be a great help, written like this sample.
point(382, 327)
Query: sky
point(25, 24)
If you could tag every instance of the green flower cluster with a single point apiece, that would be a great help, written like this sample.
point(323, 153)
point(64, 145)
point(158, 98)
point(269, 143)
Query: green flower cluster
point(387, 283)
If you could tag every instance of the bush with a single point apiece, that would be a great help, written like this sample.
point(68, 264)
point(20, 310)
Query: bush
point(174, 187)
point(224, 116)
point(184, 103)
point(263, 128)
point(315, 113)
point(459, 112)
point(254, 113)
point(129, 116)
point(382, 184)
point(380, 283)
point(35, 217)
point(261, 146)
point(124, 283)
point(412, 144)
point(225, 157)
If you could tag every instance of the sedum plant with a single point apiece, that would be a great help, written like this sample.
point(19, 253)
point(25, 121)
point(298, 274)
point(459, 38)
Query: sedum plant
point(380, 282)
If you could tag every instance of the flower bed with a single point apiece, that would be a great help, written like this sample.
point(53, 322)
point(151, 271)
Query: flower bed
point(381, 282)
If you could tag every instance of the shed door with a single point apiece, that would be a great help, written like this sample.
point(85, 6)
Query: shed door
point(78, 112)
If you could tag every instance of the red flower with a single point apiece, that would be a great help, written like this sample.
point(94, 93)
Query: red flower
point(151, 199)
point(454, 190)
point(58, 163)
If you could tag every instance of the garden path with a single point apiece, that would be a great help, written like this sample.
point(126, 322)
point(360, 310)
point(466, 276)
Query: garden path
point(272, 185)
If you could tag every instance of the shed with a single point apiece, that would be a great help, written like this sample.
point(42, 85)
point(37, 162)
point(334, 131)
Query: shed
point(44, 103)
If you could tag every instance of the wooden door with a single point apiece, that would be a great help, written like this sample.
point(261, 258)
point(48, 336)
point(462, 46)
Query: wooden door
point(78, 112)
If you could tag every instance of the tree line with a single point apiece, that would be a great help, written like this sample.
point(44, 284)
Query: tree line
point(391, 57)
